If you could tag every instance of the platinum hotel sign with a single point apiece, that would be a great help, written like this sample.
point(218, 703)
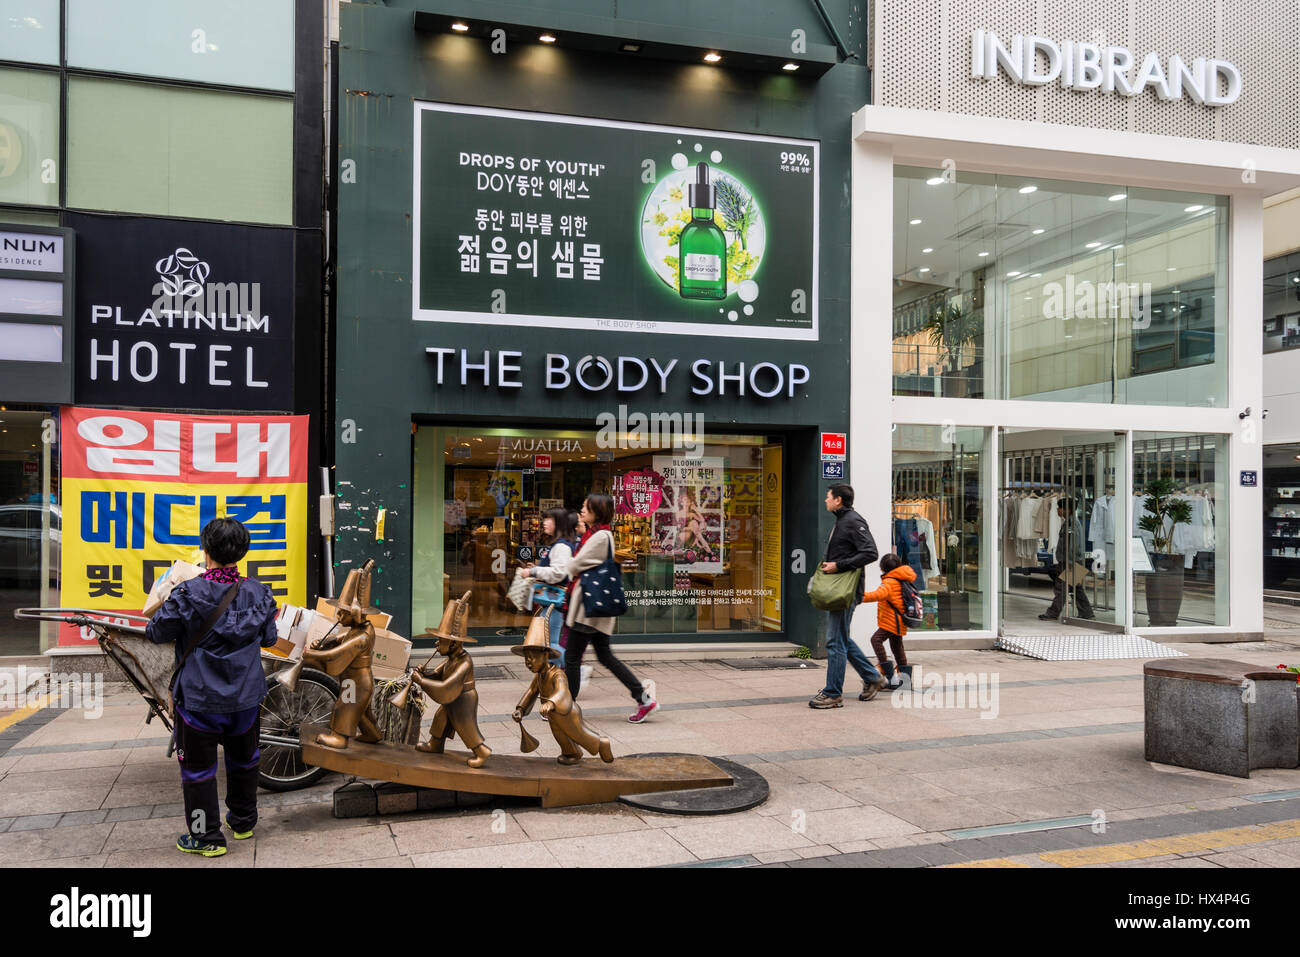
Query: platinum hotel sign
point(1080, 65)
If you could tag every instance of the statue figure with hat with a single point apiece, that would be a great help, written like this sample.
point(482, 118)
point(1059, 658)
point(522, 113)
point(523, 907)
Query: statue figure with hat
point(451, 685)
point(345, 652)
point(557, 705)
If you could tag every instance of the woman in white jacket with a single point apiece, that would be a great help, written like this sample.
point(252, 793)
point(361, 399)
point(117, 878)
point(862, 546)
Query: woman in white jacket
point(553, 566)
point(597, 546)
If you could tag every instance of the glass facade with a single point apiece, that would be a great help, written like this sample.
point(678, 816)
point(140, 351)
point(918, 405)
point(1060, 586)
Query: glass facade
point(1282, 303)
point(698, 529)
point(29, 137)
point(1184, 580)
point(228, 42)
point(1018, 287)
point(937, 521)
point(30, 519)
point(29, 31)
point(144, 148)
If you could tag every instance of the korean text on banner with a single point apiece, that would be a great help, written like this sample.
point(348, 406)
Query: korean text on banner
point(138, 487)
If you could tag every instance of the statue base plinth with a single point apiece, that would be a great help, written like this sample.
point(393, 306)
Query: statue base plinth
point(591, 781)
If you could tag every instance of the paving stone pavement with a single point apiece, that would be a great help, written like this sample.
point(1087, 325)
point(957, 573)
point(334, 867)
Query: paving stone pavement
point(1045, 770)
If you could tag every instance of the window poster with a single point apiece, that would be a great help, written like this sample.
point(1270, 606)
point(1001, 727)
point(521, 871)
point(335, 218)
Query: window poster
point(689, 523)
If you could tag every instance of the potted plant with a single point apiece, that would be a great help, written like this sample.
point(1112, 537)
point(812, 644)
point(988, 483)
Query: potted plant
point(952, 328)
point(1164, 586)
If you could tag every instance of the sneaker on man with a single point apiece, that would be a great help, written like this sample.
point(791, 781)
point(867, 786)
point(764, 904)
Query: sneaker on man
point(872, 688)
point(192, 845)
point(239, 835)
point(822, 701)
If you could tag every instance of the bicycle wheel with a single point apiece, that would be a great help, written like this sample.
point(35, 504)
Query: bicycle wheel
point(283, 713)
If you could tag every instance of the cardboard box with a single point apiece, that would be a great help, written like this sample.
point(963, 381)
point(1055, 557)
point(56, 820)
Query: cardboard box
point(164, 583)
point(392, 652)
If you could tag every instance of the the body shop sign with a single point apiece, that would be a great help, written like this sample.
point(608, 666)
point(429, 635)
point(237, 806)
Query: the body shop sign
point(184, 314)
point(546, 221)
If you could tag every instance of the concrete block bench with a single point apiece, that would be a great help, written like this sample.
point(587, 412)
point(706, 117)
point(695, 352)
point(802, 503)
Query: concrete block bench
point(1201, 713)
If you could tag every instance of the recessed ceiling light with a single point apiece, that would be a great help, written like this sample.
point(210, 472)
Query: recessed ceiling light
point(1028, 189)
point(547, 38)
point(1039, 230)
point(790, 67)
point(1037, 275)
point(631, 48)
point(1118, 246)
point(1029, 297)
point(1193, 209)
point(1171, 269)
point(922, 269)
point(930, 249)
point(1091, 245)
point(459, 26)
point(982, 254)
point(934, 181)
point(1117, 197)
point(1013, 274)
point(914, 222)
point(1119, 264)
point(1295, 278)
point(1175, 290)
point(712, 57)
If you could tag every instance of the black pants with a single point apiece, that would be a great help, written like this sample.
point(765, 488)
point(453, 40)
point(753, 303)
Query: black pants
point(1082, 607)
point(576, 644)
point(196, 747)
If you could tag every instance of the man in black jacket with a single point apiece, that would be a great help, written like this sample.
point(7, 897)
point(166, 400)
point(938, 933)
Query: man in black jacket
point(850, 547)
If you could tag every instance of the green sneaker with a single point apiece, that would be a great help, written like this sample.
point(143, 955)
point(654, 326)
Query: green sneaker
point(239, 835)
point(191, 845)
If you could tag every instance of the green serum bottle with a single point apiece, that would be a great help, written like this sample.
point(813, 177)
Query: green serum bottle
point(702, 268)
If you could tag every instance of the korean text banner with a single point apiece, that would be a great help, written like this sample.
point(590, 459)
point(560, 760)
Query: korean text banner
point(138, 487)
point(554, 221)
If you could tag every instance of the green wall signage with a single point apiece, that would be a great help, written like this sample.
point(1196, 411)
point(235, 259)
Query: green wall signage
point(562, 222)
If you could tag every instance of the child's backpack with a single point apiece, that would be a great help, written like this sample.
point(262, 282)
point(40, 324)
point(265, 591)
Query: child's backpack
point(913, 611)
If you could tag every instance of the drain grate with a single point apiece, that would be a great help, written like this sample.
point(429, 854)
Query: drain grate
point(1085, 647)
point(762, 664)
point(488, 672)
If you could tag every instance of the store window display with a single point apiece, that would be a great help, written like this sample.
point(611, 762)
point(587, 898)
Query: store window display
point(697, 527)
point(937, 525)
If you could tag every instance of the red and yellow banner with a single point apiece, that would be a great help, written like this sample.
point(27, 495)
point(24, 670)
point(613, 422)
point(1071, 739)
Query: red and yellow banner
point(138, 487)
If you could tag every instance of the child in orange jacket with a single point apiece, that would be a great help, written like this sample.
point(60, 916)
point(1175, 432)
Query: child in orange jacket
point(889, 616)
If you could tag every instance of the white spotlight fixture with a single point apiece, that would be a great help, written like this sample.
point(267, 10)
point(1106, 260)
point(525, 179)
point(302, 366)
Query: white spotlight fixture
point(1028, 189)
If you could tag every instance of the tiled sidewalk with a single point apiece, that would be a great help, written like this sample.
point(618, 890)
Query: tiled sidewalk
point(868, 784)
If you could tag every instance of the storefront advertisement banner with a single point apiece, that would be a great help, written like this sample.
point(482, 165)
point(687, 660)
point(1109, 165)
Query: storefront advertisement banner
point(183, 314)
point(138, 487)
point(533, 219)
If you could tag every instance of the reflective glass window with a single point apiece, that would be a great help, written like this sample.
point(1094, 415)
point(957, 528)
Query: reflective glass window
point(146, 148)
point(29, 31)
point(29, 137)
point(1016, 287)
point(232, 42)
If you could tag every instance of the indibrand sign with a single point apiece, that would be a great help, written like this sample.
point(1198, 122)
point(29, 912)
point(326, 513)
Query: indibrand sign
point(1080, 65)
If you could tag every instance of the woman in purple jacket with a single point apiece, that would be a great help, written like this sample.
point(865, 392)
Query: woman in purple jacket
point(219, 686)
